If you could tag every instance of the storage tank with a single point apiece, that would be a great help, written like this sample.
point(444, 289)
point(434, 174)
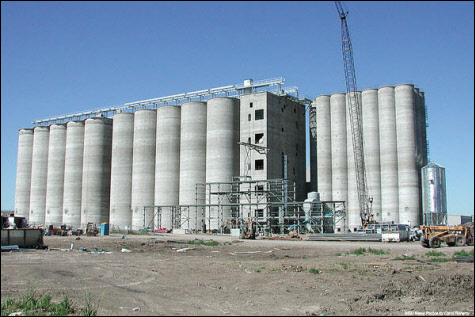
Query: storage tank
point(192, 158)
point(23, 173)
point(222, 151)
point(434, 195)
point(339, 150)
point(370, 118)
point(73, 173)
point(39, 173)
point(143, 168)
point(55, 178)
point(121, 171)
point(167, 162)
point(324, 147)
point(388, 155)
point(95, 201)
point(352, 205)
point(408, 182)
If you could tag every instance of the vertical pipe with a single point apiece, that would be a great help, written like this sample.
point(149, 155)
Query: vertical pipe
point(55, 178)
point(95, 200)
point(121, 170)
point(388, 156)
point(167, 161)
point(313, 148)
point(143, 168)
point(408, 181)
point(73, 173)
point(339, 150)
point(23, 173)
point(370, 117)
point(39, 173)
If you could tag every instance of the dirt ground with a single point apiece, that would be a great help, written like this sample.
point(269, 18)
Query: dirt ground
point(160, 276)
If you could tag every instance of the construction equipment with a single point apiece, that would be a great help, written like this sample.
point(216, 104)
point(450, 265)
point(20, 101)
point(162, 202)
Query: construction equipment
point(433, 236)
point(356, 128)
point(248, 229)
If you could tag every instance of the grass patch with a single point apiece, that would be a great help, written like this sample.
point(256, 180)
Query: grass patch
point(33, 305)
point(435, 253)
point(314, 271)
point(405, 258)
point(345, 265)
point(462, 253)
point(377, 251)
point(440, 260)
point(362, 251)
point(359, 251)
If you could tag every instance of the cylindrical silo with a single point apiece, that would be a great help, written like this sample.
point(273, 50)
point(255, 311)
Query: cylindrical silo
point(408, 182)
point(95, 201)
point(121, 170)
point(39, 173)
point(352, 205)
point(23, 173)
point(73, 173)
point(192, 159)
point(370, 118)
point(55, 179)
point(324, 147)
point(313, 148)
point(143, 169)
point(167, 162)
point(222, 152)
point(388, 155)
point(339, 150)
point(434, 196)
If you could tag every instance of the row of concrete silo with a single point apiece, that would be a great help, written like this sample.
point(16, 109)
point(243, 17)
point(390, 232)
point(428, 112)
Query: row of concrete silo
point(107, 170)
point(395, 148)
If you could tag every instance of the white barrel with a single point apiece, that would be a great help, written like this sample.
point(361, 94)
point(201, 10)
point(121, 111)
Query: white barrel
point(167, 162)
point(370, 118)
point(121, 171)
point(388, 155)
point(143, 169)
point(408, 174)
point(39, 174)
point(192, 159)
point(55, 179)
point(95, 200)
point(222, 151)
point(339, 149)
point(23, 173)
point(324, 147)
point(73, 173)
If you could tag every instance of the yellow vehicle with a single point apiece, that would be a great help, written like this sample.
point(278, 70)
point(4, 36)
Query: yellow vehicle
point(433, 236)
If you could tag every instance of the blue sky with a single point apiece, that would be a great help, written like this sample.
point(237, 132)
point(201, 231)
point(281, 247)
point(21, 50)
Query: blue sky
point(67, 57)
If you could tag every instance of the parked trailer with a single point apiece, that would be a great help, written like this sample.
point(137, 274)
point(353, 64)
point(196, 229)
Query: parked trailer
point(24, 238)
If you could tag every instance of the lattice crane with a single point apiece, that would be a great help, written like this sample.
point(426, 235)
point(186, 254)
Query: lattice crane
point(355, 120)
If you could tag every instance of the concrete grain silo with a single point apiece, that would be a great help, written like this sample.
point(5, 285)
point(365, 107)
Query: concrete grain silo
point(55, 178)
point(73, 168)
point(95, 200)
point(339, 148)
point(23, 173)
point(352, 205)
point(192, 159)
point(167, 162)
point(370, 119)
point(121, 171)
point(324, 148)
point(388, 155)
point(408, 173)
point(39, 173)
point(222, 151)
point(143, 168)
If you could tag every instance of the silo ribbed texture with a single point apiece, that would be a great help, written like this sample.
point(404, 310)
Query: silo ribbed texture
point(55, 178)
point(39, 173)
point(73, 173)
point(23, 173)
point(324, 147)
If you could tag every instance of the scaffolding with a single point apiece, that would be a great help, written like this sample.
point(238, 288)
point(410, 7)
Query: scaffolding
point(271, 204)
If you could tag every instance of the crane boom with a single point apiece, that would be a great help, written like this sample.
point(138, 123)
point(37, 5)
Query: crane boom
point(355, 119)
